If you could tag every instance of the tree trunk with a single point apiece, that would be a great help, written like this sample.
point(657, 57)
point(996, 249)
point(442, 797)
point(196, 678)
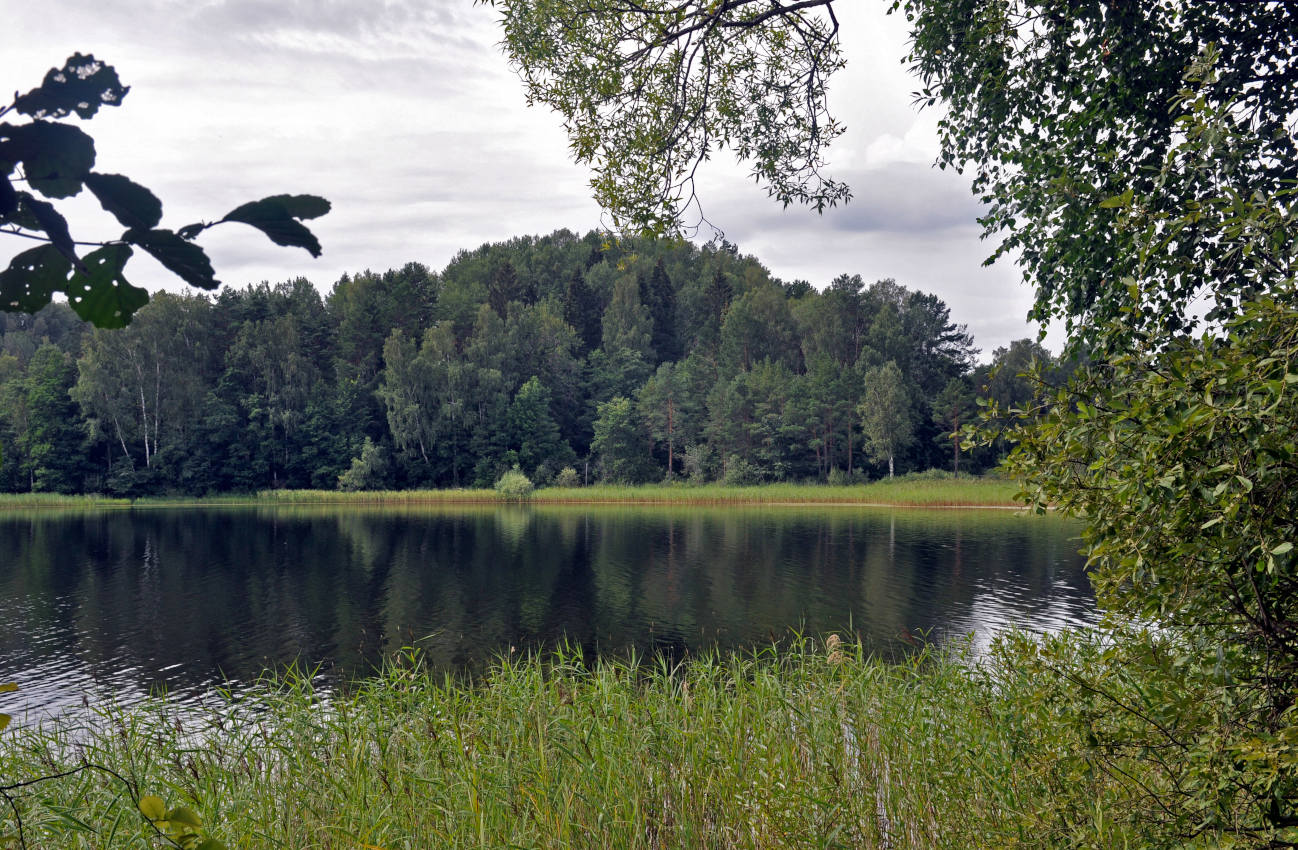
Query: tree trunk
point(670, 412)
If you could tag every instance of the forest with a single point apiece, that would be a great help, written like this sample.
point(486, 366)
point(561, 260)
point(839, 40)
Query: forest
point(574, 358)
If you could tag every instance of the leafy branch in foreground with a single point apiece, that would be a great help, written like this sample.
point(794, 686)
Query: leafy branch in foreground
point(56, 160)
point(1182, 456)
point(650, 89)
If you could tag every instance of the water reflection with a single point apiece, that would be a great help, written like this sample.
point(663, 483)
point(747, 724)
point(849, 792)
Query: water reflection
point(129, 601)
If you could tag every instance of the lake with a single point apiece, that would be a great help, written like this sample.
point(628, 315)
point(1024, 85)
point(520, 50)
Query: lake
point(128, 602)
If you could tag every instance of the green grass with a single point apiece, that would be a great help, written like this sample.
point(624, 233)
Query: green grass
point(912, 492)
point(58, 500)
point(802, 747)
point(810, 745)
point(906, 491)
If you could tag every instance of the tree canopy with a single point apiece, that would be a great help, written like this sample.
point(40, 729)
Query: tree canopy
point(650, 89)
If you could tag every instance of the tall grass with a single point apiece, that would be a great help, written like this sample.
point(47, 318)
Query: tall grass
point(906, 491)
point(902, 492)
point(59, 500)
point(811, 746)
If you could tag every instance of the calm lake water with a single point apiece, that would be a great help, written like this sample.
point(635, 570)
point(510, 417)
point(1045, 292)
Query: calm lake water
point(126, 602)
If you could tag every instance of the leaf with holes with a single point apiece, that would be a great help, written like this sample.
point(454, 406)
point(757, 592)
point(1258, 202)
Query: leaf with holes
point(102, 295)
point(128, 201)
point(32, 278)
point(184, 258)
point(82, 85)
point(277, 217)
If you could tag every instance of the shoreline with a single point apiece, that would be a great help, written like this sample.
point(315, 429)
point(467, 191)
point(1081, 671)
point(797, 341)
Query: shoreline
point(903, 492)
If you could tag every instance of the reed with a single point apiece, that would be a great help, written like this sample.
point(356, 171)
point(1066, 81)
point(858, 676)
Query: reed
point(906, 491)
point(807, 746)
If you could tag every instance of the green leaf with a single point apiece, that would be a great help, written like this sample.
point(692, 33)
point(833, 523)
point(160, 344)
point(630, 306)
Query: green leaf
point(129, 202)
point(4, 721)
point(210, 844)
point(1122, 200)
point(8, 687)
point(1282, 548)
point(103, 296)
point(82, 85)
point(53, 223)
point(152, 807)
point(185, 259)
point(185, 816)
point(32, 279)
point(277, 217)
point(56, 157)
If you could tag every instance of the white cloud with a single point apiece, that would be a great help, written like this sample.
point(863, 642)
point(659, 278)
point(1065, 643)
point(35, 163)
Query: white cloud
point(406, 116)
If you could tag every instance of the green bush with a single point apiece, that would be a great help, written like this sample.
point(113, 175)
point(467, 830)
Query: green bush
point(567, 477)
point(514, 485)
point(741, 473)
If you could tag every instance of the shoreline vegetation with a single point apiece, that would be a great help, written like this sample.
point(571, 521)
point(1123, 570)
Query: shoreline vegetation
point(766, 748)
point(921, 490)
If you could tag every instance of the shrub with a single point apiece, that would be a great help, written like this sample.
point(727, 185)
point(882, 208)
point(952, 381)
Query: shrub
point(741, 473)
point(514, 485)
point(567, 477)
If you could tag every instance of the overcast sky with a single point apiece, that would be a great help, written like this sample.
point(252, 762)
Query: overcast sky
point(405, 115)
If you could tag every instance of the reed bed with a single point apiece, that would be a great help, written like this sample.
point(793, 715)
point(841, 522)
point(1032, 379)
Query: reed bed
point(59, 500)
point(807, 746)
point(907, 491)
point(919, 492)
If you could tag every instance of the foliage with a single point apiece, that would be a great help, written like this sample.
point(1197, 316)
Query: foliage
point(649, 89)
point(953, 407)
point(367, 472)
point(567, 477)
point(273, 386)
point(618, 443)
point(56, 160)
point(179, 827)
point(885, 413)
point(514, 485)
point(1180, 452)
point(1185, 473)
point(1058, 107)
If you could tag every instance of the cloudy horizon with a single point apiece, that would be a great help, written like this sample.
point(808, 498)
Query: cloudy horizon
point(406, 116)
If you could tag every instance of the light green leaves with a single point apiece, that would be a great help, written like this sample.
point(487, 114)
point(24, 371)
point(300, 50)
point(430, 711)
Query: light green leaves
point(6, 688)
point(651, 90)
point(181, 825)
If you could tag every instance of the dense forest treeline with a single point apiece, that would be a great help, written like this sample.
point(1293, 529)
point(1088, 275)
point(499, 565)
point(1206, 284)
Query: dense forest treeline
point(629, 362)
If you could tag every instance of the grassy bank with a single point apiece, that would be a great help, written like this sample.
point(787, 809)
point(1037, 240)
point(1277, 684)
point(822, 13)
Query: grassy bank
point(813, 746)
point(906, 491)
